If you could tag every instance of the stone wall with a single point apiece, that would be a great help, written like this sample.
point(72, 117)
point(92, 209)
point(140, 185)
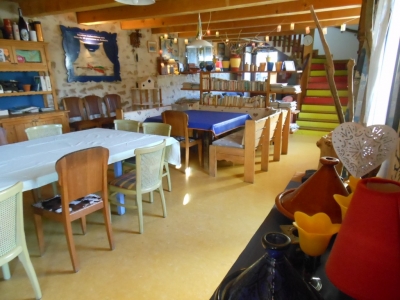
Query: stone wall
point(131, 70)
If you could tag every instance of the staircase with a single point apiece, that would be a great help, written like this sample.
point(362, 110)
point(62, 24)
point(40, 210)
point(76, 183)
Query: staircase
point(318, 113)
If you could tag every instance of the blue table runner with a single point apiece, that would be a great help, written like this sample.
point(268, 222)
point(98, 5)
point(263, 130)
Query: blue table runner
point(215, 121)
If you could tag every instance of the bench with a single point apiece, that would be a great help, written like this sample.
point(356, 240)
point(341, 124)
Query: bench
point(240, 147)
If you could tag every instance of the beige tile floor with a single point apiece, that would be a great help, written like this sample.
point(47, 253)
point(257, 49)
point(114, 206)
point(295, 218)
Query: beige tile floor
point(184, 256)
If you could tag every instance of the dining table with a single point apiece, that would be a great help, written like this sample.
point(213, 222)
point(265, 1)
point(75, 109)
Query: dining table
point(33, 162)
point(212, 124)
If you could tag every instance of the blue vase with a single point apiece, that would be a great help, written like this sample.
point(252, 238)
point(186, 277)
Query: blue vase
point(271, 277)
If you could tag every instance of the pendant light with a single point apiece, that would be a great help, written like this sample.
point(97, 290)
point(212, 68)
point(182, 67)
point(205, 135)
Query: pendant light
point(199, 43)
point(136, 2)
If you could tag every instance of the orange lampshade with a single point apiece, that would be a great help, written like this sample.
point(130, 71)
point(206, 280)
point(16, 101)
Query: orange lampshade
point(365, 258)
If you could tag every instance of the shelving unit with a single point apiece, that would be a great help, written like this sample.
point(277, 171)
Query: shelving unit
point(264, 88)
point(146, 98)
point(22, 57)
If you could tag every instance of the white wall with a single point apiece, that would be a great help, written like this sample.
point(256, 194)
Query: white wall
point(343, 45)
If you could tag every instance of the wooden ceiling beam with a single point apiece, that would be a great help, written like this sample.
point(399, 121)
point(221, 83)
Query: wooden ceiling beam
point(265, 11)
point(167, 8)
point(326, 16)
point(37, 8)
point(270, 30)
point(238, 8)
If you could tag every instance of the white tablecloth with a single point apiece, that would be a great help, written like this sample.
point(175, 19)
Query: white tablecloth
point(33, 162)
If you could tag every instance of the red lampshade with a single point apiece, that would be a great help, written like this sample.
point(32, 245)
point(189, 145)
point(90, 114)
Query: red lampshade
point(365, 258)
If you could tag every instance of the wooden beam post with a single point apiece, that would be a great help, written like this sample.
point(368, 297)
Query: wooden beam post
point(330, 68)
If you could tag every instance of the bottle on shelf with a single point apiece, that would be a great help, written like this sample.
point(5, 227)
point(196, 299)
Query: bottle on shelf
point(39, 33)
point(23, 27)
point(16, 31)
point(8, 29)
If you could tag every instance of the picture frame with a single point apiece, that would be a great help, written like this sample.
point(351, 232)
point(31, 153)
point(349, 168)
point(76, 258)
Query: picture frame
point(90, 55)
point(151, 46)
point(170, 50)
point(221, 49)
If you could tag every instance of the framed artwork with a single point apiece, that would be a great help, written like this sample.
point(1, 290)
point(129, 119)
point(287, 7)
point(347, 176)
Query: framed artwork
point(90, 55)
point(152, 46)
point(169, 48)
point(221, 49)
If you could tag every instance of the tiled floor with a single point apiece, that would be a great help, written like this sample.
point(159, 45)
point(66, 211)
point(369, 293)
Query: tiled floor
point(184, 256)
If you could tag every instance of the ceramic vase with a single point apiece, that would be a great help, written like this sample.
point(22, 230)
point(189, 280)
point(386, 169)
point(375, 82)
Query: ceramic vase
point(315, 194)
point(235, 62)
point(271, 277)
point(225, 64)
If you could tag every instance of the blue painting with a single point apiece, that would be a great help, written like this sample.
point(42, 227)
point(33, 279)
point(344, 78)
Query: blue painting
point(90, 55)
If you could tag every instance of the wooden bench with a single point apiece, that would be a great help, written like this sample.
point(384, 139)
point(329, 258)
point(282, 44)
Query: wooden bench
point(240, 147)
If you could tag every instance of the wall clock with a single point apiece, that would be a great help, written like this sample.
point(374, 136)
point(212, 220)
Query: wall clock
point(307, 40)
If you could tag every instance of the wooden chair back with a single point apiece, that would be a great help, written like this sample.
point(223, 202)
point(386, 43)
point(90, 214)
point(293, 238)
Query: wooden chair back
point(179, 129)
point(157, 128)
point(3, 136)
point(91, 166)
point(41, 131)
point(93, 106)
point(12, 235)
point(127, 125)
point(112, 102)
point(75, 107)
point(179, 122)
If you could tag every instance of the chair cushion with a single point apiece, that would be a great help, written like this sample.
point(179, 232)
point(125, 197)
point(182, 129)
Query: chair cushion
point(54, 204)
point(182, 138)
point(234, 140)
point(125, 181)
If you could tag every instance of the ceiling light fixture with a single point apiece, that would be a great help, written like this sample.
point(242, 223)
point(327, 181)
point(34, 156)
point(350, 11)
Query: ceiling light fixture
point(165, 35)
point(136, 2)
point(186, 41)
point(175, 40)
point(343, 27)
point(278, 29)
point(217, 33)
point(199, 43)
point(325, 30)
point(267, 38)
point(307, 29)
point(291, 26)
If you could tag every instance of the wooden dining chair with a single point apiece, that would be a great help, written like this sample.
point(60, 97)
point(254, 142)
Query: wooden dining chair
point(3, 136)
point(127, 125)
point(160, 129)
point(76, 113)
point(179, 130)
point(113, 103)
point(42, 131)
point(82, 177)
point(146, 177)
point(12, 235)
point(94, 111)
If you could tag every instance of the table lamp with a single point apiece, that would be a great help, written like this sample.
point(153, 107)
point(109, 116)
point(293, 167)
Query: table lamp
point(364, 261)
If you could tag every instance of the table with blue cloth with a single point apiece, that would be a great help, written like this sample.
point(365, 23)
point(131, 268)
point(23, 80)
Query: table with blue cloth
point(212, 124)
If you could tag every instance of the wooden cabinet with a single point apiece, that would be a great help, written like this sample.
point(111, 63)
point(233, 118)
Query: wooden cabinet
point(32, 57)
point(15, 125)
point(24, 56)
point(146, 98)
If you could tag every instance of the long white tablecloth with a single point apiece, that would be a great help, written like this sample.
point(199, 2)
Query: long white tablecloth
point(33, 162)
